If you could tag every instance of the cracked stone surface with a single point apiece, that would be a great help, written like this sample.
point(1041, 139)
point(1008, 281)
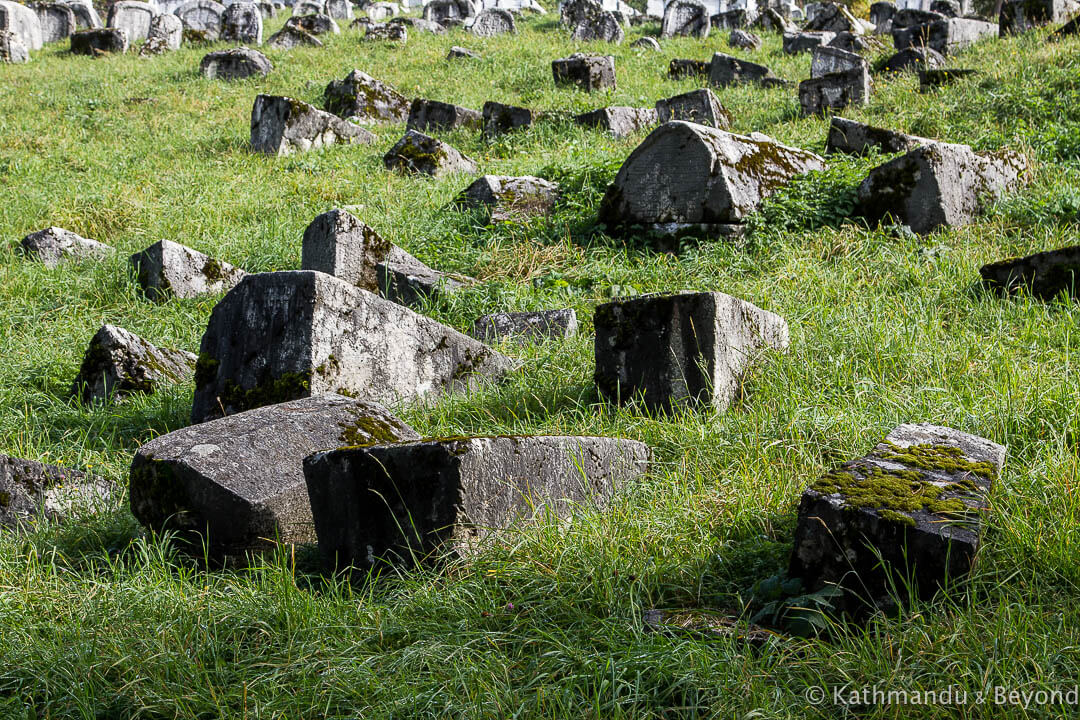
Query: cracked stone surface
point(511, 198)
point(283, 126)
point(525, 327)
point(118, 363)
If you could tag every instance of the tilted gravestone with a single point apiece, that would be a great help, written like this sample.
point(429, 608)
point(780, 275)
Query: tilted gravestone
point(525, 327)
point(237, 483)
point(411, 502)
point(432, 115)
point(364, 99)
point(54, 245)
point(744, 40)
point(132, 16)
point(23, 23)
point(202, 16)
point(681, 68)
point(281, 126)
point(510, 198)
point(166, 34)
point(795, 43)
point(688, 18)
point(289, 37)
point(696, 106)
point(388, 32)
point(940, 185)
point(684, 174)
point(500, 118)
point(588, 72)
point(619, 121)
point(681, 351)
point(910, 510)
point(317, 335)
point(1045, 275)
point(168, 269)
point(118, 363)
point(235, 63)
point(855, 138)
point(420, 153)
point(833, 17)
point(838, 79)
point(315, 24)
point(242, 23)
point(57, 21)
point(725, 70)
point(86, 17)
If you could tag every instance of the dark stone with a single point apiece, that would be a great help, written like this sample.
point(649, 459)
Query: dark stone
point(511, 198)
point(725, 70)
point(242, 23)
point(795, 43)
point(946, 36)
point(103, 41)
point(1045, 275)
point(855, 138)
point(365, 99)
point(833, 17)
point(237, 483)
point(314, 24)
point(1018, 16)
point(414, 502)
point(730, 20)
point(938, 77)
point(679, 69)
point(492, 22)
point(588, 72)
point(744, 40)
point(697, 106)
point(912, 59)
point(524, 327)
point(500, 118)
point(834, 91)
point(432, 115)
point(675, 351)
point(420, 153)
point(119, 363)
point(619, 121)
point(235, 64)
point(948, 8)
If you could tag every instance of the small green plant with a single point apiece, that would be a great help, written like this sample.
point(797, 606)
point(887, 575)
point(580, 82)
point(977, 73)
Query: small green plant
point(779, 601)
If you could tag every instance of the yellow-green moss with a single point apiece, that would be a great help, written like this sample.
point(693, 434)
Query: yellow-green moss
point(873, 488)
point(943, 458)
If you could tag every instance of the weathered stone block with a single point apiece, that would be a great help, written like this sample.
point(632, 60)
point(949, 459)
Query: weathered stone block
point(99, 42)
point(940, 185)
point(11, 49)
point(828, 60)
point(795, 43)
point(32, 491)
point(511, 198)
point(588, 72)
point(282, 126)
point(339, 9)
point(420, 153)
point(619, 121)
point(500, 118)
point(242, 23)
point(1045, 275)
point(832, 17)
point(1018, 16)
point(119, 362)
point(388, 32)
point(744, 40)
point(855, 138)
point(23, 23)
point(914, 58)
point(202, 16)
point(57, 21)
point(687, 173)
point(166, 34)
point(599, 26)
point(881, 15)
point(133, 17)
point(697, 106)
point(54, 245)
point(290, 37)
point(237, 483)
point(687, 18)
point(646, 43)
point(910, 509)
point(672, 351)
point(318, 335)
point(492, 22)
point(382, 11)
point(315, 24)
point(460, 53)
point(167, 269)
point(946, 36)
point(235, 63)
point(431, 115)
point(365, 99)
point(415, 501)
point(449, 11)
point(730, 19)
point(680, 68)
point(834, 91)
point(727, 70)
point(420, 25)
point(524, 327)
point(86, 17)
point(939, 77)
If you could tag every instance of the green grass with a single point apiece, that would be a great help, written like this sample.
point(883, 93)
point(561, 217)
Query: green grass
point(98, 620)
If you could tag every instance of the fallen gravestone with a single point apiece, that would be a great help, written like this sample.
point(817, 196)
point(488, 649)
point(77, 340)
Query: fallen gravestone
point(133, 17)
point(237, 483)
point(744, 40)
point(316, 24)
point(946, 36)
point(588, 72)
point(99, 42)
point(57, 21)
point(339, 244)
point(420, 153)
point(11, 49)
point(492, 22)
point(54, 245)
point(687, 18)
point(431, 115)
point(167, 269)
point(388, 32)
point(500, 118)
point(827, 60)
point(681, 68)
point(202, 16)
point(290, 37)
point(646, 43)
point(833, 17)
point(838, 79)
point(914, 58)
point(795, 43)
point(459, 53)
point(937, 77)
point(362, 98)
point(319, 335)
point(282, 126)
point(939, 185)
point(733, 19)
point(909, 511)
point(687, 175)
point(524, 327)
point(675, 351)
point(119, 363)
point(510, 198)
point(235, 63)
point(619, 121)
point(33, 491)
point(410, 502)
point(166, 34)
point(854, 138)
point(1045, 275)
point(23, 23)
point(696, 106)
point(242, 23)
point(725, 70)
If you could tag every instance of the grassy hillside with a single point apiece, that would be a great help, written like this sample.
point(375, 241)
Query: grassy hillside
point(98, 620)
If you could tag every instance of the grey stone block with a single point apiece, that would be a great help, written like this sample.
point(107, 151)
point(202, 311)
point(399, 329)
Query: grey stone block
point(834, 91)
point(911, 508)
point(237, 483)
point(511, 198)
point(1045, 275)
point(725, 70)
point(23, 23)
point(95, 43)
point(914, 58)
point(315, 24)
point(855, 138)
point(282, 126)
point(453, 11)
point(86, 17)
point(524, 327)
point(946, 36)
point(492, 22)
point(11, 49)
point(387, 32)
point(1018, 16)
point(833, 17)
point(828, 60)
point(202, 16)
point(364, 99)
point(686, 18)
point(31, 491)
point(674, 351)
point(167, 269)
point(744, 40)
point(619, 121)
point(459, 53)
point(697, 106)
point(431, 115)
point(57, 21)
point(166, 34)
point(290, 37)
point(599, 26)
point(420, 153)
point(119, 363)
point(133, 17)
point(795, 43)
point(318, 335)
point(242, 23)
point(235, 63)
point(417, 501)
point(53, 246)
point(940, 185)
point(500, 118)
point(588, 72)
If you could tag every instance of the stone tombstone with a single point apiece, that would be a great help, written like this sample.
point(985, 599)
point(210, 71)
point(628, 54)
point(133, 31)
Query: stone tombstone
point(511, 198)
point(412, 502)
point(681, 351)
point(53, 246)
point(744, 40)
point(132, 16)
point(685, 174)
point(11, 49)
point(166, 34)
point(619, 121)
point(387, 31)
point(118, 363)
point(940, 185)
point(34, 491)
point(447, 12)
point(425, 155)
point(319, 335)
point(23, 23)
point(1018, 16)
point(910, 510)
point(315, 24)
point(826, 60)
point(855, 138)
point(290, 37)
point(795, 43)
point(459, 53)
point(339, 9)
point(382, 11)
point(833, 17)
point(725, 70)
point(364, 99)
point(646, 43)
point(1045, 275)
point(282, 126)
point(431, 115)
point(309, 7)
point(492, 22)
point(526, 327)
point(203, 16)
point(86, 17)
point(103, 41)
point(946, 36)
point(881, 15)
point(242, 23)
point(599, 26)
point(914, 58)
point(588, 72)
point(57, 21)
point(500, 118)
point(573, 12)
point(687, 18)
point(235, 64)
point(236, 484)
point(419, 25)
point(834, 91)
point(697, 106)
point(168, 269)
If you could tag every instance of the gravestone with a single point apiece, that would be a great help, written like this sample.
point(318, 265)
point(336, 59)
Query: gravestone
point(881, 15)
point(411, 502)
point(946, 36)
point(460, 53)
point(725, 70)
point(364, 99)
point(681, 68)
point(675, 351)
point(420, 153)
point(834, 91)
point(447, 12)
point(854, 138)
point(34, 491)
point(339, 9)
point(309, 7)
point(319, 335)
point(1018, 16)
point(168, 269)
point(290, 37)
point(281, 126)
point(202, 16)
point(237, 483)
point(686, 18)
point(598, 25)
point(833, 17)
point(525, 327)
point(420, 25)
point(86, 17)
point(54, 245)
point(619, 121)
point(57, 21)
point(492, 22)
point(388, 32)
point(646, 43)
point(827, 60)
point(1045, 275)
point(511, 198)
point(235, 64)
point(166, 34)
point(697, 106)
point(11, 49)
point(500, 118)
point(913, 58)
point(99, 42)
point(242, 23)
point(119, 363)
point(795, 43)
point(588, 72)
point(23, 23)
point(744, 40)
point(382, 11)
point(133, 17)
point(431, 115)
point(315, 24)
